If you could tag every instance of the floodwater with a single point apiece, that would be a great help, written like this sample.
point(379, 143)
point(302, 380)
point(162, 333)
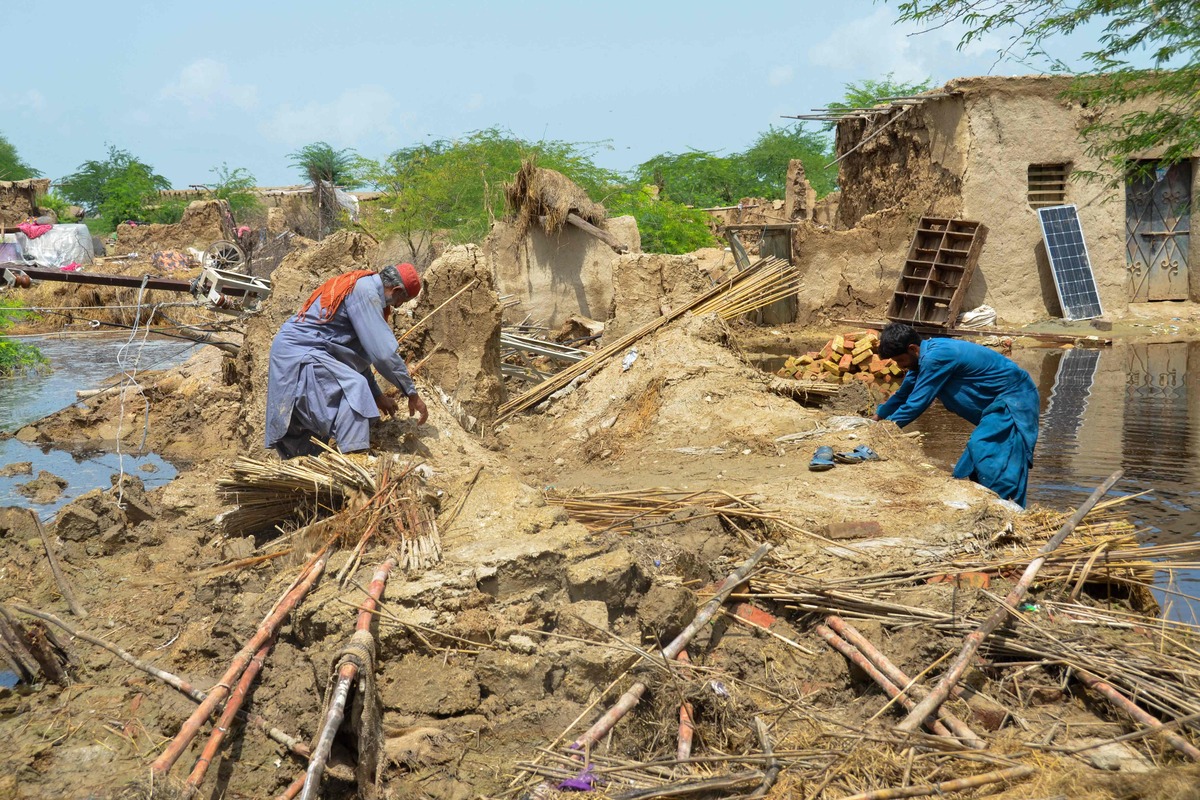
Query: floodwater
point(1126, 407)
point(78, 362)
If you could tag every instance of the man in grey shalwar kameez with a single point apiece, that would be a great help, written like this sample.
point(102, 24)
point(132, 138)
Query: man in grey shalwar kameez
point(320, 383)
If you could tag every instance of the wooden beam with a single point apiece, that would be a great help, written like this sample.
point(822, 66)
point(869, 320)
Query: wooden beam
point(599, 233)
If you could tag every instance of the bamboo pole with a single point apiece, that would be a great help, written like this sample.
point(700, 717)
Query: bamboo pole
point(171, 679)
point(687, 725)
point(347, 673)
point(228, 714)
point(975, 639)
point(957, 785)
point(59, 577)
point(1124, 704)
point(270, 624)
point(773, 765)
point(893, 691)
point(897, 676)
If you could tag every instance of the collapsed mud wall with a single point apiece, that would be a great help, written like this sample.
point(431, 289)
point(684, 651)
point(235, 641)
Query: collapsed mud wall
point(460, 344)
point(18, 200)
point(555, 276)
point(646, 285)
point(202, 224)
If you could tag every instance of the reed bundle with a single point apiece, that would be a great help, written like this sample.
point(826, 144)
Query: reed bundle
point(375, 497)
point(760, 285)
point(626, 511)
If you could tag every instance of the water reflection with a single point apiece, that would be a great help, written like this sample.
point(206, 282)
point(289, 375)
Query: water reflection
point(1128, 407)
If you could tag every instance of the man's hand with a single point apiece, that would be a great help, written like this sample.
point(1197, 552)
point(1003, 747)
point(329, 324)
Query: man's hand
point(875, 417)
point(417, 406)
point(387, 406)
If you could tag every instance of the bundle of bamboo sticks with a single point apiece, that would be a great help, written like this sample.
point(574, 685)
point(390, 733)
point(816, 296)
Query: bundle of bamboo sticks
point(762, 284)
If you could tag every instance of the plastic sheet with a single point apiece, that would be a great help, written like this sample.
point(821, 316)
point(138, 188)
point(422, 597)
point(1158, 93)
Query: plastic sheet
point(59, 246)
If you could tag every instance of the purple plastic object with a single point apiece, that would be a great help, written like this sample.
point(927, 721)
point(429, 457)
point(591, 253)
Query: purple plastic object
point(583, 782)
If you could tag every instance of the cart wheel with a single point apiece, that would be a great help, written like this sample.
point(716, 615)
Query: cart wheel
point(226, 256)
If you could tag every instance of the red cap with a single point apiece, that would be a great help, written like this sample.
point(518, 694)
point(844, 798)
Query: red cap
point(410, 279)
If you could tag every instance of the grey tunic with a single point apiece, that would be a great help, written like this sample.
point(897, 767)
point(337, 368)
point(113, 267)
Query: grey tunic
point(319, 381)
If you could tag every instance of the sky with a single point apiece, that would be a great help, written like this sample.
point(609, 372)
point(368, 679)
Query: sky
point(187, 87)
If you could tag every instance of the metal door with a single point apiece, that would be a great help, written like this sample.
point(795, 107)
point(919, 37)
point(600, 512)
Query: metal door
point(1157, 223)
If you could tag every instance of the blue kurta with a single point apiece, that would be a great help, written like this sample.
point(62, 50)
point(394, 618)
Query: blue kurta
point(319, 381)
point(987, 390)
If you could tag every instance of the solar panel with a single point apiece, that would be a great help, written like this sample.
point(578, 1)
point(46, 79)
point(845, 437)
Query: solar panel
point(1070, 393)
point(1073, 278)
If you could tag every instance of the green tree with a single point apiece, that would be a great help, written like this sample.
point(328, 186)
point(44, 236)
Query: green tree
point(235, 185)
point(320, 162)
point(12, 166)
point(1165, 31)
point(767, 159)
point(868, 93)
point(118, 188)
point(664, 225)
point(17, 357)
point(698, 178)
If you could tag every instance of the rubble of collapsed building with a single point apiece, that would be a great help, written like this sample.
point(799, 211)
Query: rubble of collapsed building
point(612, 574)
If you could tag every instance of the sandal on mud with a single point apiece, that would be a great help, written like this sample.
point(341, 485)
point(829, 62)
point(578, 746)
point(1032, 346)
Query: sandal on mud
point(857, 455)
point(821, 460)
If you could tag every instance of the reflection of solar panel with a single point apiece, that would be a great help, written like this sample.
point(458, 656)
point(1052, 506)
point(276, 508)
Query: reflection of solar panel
point(1069, 261)
point(1069, 395)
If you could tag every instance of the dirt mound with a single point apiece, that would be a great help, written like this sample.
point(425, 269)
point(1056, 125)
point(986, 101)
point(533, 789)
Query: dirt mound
point(204, 222)
point(459, 346)
point(301, 272)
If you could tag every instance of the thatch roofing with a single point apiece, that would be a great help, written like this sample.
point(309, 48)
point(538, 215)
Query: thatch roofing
point(545, 197)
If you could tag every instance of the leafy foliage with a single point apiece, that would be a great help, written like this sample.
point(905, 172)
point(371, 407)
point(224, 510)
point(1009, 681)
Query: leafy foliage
point(320, 162)
point(119, 188)
point(867, 93)
point(702, 179)
point(17, 357)
point(56, 203)
point(12, 167)
point(234, 185)
point(665, 226)
point(1168, 31)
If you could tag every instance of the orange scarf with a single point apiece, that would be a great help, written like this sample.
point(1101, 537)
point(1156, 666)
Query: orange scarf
point(332, 292)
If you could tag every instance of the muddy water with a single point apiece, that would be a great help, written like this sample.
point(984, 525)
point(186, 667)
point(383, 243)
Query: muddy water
point(1127, 407)
point(87, 361)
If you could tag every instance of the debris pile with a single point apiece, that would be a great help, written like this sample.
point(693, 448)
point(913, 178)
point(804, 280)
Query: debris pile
point(844, 358)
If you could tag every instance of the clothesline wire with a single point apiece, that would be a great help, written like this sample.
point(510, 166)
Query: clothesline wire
point(132, 380)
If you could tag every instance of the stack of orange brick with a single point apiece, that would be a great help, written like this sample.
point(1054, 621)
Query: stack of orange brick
point(845, 358)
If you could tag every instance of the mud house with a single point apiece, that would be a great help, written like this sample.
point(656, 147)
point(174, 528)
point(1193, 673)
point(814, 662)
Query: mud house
point(994, 150)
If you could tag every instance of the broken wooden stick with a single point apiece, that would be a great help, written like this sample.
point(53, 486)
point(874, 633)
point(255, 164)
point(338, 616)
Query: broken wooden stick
point(599, 233)
point(773, 765)
point(631, 697)
point(441, 305)
point(898, 677)
point(33, 644)
point(687, 727)
point(270, 624)
point(16, 653)
point(228, 714)
point(347, 672)
point(171, 679)
point(893, 691)
point(59, 577)
point(975, 639)
point(1131, 709)
point(956, 785)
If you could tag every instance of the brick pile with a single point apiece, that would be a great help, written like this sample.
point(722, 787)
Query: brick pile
point(846, 358)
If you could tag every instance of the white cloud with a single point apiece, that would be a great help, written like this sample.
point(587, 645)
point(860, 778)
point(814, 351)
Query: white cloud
point(205, 87)
point(474, 102)
point(349, 118)
point(910, 53)
point(780, 75)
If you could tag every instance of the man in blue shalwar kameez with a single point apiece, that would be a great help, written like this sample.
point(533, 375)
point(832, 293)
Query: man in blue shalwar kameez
point(319, 383)
point(981, 386)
